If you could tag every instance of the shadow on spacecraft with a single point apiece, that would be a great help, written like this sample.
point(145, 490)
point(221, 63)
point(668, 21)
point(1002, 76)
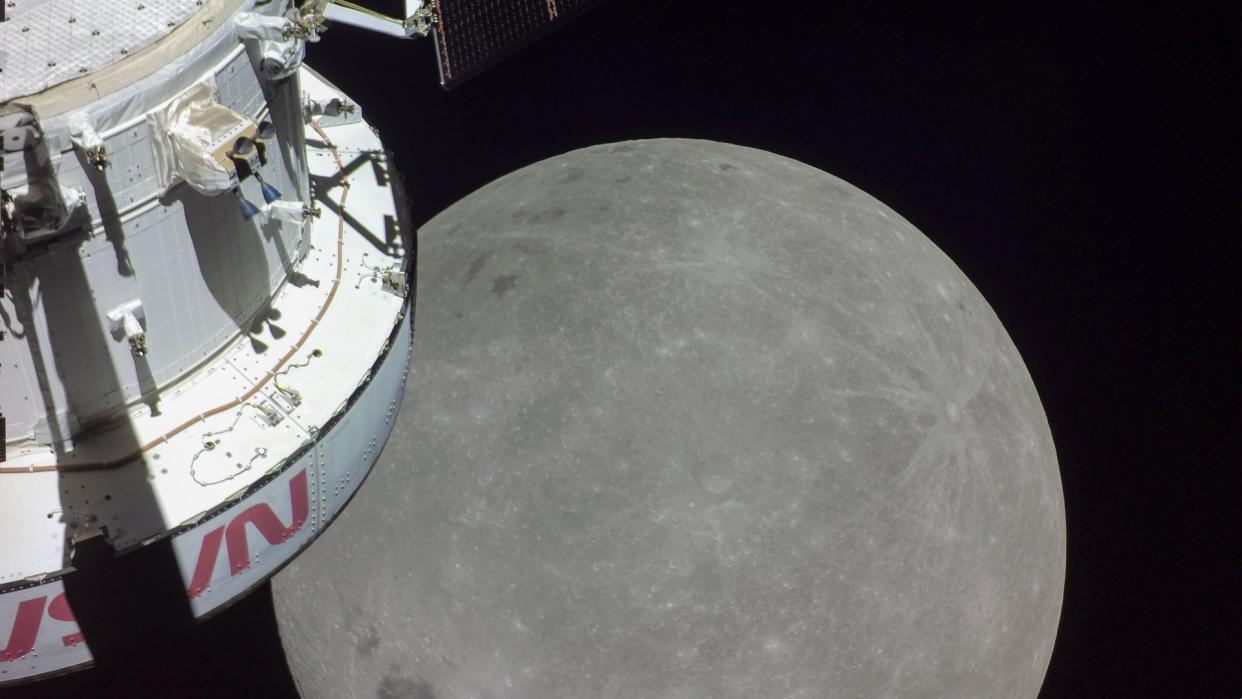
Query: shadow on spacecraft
point(205, 258)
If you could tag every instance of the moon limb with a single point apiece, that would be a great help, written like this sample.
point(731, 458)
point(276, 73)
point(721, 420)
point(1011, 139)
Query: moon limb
point(691, 420)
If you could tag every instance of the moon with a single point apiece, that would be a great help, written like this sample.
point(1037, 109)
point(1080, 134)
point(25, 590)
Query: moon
point(688, 419)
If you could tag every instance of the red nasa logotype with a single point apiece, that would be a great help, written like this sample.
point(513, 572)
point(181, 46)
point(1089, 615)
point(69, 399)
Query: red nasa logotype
point(233, 535)
point(30, 613)
point(24, 633)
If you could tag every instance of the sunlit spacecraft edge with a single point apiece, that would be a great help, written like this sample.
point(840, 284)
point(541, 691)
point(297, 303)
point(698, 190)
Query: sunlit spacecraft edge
point(206, 313)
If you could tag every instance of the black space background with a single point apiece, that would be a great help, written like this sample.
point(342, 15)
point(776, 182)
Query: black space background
point(1080, 163)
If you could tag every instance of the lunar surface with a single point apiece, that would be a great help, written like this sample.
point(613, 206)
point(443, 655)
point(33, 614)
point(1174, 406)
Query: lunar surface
point(691, 420)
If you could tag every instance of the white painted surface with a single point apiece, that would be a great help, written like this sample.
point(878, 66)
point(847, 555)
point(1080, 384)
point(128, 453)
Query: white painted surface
point(46, 42)
point(300, 502)
point(348, 15)
point(201, 270)
point(294, 507)
point(325, 445)
point(42, 635)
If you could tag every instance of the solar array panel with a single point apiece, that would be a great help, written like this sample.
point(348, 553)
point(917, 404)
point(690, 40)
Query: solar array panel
point(472, 35)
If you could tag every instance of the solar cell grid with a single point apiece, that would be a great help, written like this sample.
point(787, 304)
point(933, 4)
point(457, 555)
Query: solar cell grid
point(472, 35)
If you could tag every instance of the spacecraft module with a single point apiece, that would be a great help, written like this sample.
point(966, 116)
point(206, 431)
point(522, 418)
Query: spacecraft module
point(205, 266)
point(204, 324)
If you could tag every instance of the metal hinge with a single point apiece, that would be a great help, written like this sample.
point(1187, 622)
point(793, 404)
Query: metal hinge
point(421, 22)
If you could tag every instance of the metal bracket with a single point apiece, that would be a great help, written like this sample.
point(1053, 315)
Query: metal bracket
point(307, 23)
point(127, 320)
point(394, 281)
point(19, 138)
point(421, 22)
point(418, 22)
point(37, 207)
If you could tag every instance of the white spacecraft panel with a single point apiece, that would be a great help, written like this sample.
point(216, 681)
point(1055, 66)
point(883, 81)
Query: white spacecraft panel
point(295, 407)
point(43, 636)
point(227, 555)
point(129, 178)
point(45, 42)
point(185, 480)
point(34, 510)
point(218, 367)
point(200, 271)
point(20, 413)
point(237, 549)
point(238, 86)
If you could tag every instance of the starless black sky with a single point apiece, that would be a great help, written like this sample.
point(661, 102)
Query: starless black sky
point(1079, 162)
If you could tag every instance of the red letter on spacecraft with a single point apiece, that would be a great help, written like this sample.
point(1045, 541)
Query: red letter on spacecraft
point(29, 619)
point(233, 535)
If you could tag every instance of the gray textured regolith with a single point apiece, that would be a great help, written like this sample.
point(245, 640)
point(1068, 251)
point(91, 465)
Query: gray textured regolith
point(691, 420)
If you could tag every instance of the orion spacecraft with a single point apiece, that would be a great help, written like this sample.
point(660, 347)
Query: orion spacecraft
point(204, 330)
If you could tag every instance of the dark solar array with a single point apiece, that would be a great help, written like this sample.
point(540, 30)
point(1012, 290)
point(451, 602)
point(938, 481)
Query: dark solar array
point(472, 35)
